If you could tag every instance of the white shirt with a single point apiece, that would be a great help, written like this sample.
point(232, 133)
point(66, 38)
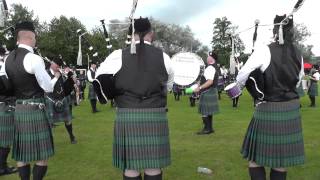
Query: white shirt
point(113, 63)
point(34, 64)
point(89, 75)
point(209, 73)
point(260, 59)
point(316, 75)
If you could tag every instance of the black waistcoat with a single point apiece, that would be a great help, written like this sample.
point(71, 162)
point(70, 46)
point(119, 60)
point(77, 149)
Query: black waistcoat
point(215, 78)
point(142, 80)
point(282, 75)
point(25, 85)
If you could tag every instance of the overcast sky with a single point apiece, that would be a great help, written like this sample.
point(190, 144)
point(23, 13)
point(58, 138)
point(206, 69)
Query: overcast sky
point(198, 14)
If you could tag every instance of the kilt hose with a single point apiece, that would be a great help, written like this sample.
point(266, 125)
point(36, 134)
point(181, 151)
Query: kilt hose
point(56, 117)
point(274, 136)
point(33, 139)
point(141, 139)
point(6, 125)
point(92, 94)
point(313, 89)
point(208, 103)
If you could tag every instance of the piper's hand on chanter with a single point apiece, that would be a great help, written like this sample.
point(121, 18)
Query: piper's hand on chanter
point(196, 90)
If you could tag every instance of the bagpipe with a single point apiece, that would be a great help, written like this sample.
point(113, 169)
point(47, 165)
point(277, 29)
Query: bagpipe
point(255, 82)
point(104, 84)
point(5, 83)
point(68, 83)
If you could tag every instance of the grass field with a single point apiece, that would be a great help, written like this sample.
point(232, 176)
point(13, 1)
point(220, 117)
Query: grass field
point(91, 158)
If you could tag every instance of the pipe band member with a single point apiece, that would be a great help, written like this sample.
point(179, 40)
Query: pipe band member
point(92, 96)
point(7, 101)
point(26, 71)
point(274, 137)
point(57, 105)
point(313, 89)
point(141, 133)
point(208, 103)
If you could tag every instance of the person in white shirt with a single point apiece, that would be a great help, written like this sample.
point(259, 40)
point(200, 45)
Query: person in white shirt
point(208, 103)
point(313, 89)
point(141, 82)
point(26, 71)
point(274, 137)
point(92, 96)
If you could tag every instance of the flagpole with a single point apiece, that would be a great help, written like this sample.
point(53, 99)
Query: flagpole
point(79, 59)
point(88, 60)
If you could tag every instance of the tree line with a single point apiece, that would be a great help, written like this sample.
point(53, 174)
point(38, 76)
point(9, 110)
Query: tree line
point(59, 37)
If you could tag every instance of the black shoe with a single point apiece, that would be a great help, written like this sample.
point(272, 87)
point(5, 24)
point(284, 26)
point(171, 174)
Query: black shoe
point(204, 132)
point(8, 170)
point(95, 111)
point(73, 140)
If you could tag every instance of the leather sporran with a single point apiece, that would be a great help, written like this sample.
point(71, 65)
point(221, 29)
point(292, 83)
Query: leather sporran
point(59, 106)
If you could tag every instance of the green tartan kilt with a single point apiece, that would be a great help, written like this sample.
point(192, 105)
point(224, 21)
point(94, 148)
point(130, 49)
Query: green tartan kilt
point(208, 103)
point(92, 94)
point(313, 89)
point(141, 139)
point(274, 137)
point(54, 116)
point(33, 139)
point(6, 125)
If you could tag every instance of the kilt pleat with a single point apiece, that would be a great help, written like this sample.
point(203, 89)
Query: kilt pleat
point(313, 89)
point(54, 116)
point(141, 139)
point(208, 103)
point(274, 136)
point(33, 139)
point(6, 126)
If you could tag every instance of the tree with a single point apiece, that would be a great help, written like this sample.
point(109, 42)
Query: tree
point(60, 38)
point(203, 52)
point(171, 38)
point(221, 43)
point(18, 14)
point(301, 34)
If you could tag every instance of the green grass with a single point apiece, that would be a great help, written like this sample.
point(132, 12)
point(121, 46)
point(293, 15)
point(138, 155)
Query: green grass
point(91, 158)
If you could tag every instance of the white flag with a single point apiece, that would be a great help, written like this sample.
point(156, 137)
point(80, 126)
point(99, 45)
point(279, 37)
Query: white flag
point(79, 59)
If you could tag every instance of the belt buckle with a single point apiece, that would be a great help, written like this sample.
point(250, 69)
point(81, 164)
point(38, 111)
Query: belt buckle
point(11, 108)
point(41, 106)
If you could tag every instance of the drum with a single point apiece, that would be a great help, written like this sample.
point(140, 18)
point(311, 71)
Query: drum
point(233, 90)
point(188, 69)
